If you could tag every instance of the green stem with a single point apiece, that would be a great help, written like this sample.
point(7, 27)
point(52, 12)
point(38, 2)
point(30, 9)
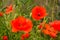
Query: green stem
point(52, 14)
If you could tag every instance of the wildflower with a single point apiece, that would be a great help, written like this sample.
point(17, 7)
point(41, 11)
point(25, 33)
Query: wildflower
point(48, 30)
point(9, 9)
point(41, 25)
point(53, 35)
point(38, 12)
point(5, 38)
point(21, 24)
point(25, 36)
point(45, 31)
point(55, 24)
point(1, 14)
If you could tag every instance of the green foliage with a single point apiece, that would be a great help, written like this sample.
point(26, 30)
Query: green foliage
point(24, 7)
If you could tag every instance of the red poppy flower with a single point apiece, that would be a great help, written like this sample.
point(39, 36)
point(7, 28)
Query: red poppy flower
point(1, 14)
point(38, 12)
point(9, 9)
point(41, 25)
point(48, 30)
point(55, 24)
point(21, 24)
point(45, 31)
point(53, 35)
point(25, 36)
point(5, 38)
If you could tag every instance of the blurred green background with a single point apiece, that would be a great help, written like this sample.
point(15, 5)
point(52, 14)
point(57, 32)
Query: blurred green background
point(24, 7)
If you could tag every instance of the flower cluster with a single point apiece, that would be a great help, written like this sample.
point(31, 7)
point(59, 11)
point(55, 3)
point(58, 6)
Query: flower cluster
point(25, 25)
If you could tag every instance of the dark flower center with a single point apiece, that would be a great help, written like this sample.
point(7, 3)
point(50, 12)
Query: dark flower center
point(38, 14)
point(20, 25)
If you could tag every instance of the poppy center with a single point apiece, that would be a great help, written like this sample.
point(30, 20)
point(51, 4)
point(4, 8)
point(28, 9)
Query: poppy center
point(20, 25)
point(38, 14)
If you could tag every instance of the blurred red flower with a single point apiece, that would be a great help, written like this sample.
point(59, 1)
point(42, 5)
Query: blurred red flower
point(9, 9)
point(48, 30)
point(41, 25)
point(38, 12)
point(1, 13)
point(25, 36)
point(55, 24)
point(5, 38)
point(21, 24)
point(53, 35)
